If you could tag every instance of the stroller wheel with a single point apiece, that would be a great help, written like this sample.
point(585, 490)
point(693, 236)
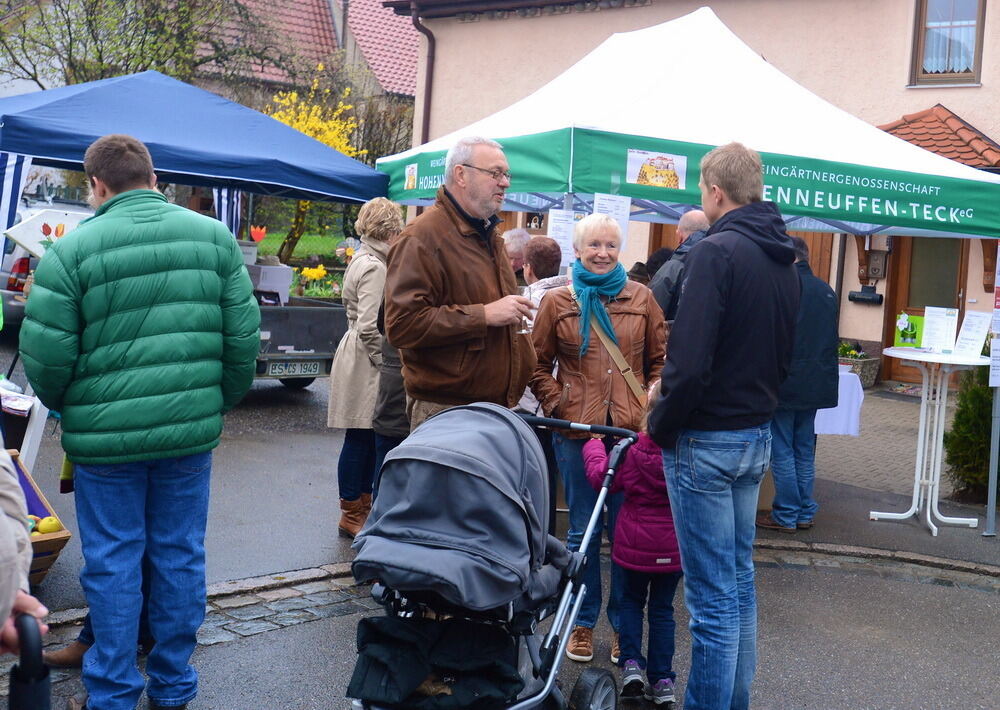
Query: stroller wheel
point(595, 689)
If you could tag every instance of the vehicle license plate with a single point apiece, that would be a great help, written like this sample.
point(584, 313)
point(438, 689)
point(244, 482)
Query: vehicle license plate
point(295, 368)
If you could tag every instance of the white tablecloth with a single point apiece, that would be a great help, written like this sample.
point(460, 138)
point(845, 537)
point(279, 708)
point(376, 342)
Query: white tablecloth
point(845, 418)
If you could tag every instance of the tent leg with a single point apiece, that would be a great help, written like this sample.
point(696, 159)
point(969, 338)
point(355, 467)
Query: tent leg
point(991, 498)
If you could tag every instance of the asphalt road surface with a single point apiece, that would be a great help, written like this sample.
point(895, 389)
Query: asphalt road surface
point(274, 504)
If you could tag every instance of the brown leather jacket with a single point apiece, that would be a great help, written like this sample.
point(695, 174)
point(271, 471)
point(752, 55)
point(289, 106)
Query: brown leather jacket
point(593, 390)
point(440, 276)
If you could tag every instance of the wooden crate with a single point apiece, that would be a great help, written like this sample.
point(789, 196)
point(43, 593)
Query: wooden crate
point(46, 546)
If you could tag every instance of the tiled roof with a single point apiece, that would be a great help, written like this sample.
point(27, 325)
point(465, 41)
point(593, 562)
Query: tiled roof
point(940, 131)
point(450, 8)
point(305, 27)
point(389, 42)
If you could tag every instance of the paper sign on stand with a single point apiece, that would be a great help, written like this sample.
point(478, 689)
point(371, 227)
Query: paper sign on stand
point(995, 362)
point(972, 334)
point(618, 207)
point(37, 233)
point(561, 224)
point(940, 325)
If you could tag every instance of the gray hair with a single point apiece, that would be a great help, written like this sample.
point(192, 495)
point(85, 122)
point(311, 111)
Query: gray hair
point(515, 240)
point(594, 223)
point(693, 221)
point(461, 152)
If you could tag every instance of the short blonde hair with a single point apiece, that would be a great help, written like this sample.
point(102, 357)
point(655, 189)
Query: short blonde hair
point(652, 399)
point(737, 170)
point(594, 223)
point(380, 219)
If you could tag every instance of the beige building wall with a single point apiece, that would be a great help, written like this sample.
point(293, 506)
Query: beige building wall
point(854, 53)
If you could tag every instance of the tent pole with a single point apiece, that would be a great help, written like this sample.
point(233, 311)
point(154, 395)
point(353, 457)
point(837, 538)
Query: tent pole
point(568, 201)
point(991, 496)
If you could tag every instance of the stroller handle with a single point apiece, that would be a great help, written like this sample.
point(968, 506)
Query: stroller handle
point(577, 426)
point(29, 638)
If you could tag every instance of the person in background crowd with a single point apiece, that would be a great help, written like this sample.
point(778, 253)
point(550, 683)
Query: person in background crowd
point(542, 259)
point(452, 306)
point(577, 379)
point(646, 550)
point(730, 348)
point(813, 383)
point(514, 241)
point(15, 558)
point(142, 331)
point(667, 282)
point(355, 374)
point(638, 273)
point(389, 421)
point(657, 259)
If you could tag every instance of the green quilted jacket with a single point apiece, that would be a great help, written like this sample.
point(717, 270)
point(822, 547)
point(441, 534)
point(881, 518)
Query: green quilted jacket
point(141, 330)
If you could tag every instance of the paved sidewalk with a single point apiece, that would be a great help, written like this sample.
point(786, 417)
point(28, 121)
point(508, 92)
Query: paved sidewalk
point(884, 456)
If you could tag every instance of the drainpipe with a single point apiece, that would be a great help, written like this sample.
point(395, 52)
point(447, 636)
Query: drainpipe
point(425, 114)
point(839, 290)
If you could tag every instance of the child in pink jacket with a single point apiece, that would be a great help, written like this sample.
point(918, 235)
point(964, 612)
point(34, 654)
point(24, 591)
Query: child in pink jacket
point(645, 547)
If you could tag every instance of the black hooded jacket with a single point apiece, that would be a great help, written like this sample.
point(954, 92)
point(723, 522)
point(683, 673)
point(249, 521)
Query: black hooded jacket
point(731, 343)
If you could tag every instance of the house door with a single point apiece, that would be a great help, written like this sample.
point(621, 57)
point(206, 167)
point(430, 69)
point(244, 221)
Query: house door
point(926, 271)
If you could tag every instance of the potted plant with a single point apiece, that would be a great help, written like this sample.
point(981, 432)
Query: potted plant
point(865, 367)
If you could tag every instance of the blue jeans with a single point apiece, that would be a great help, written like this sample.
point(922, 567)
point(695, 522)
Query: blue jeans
point(383, 445)
point(793, 464)
point(582, 498)
point(356, 467)
point(713, 478)
point(159, 509)
point(86, 635)
point(661, 587)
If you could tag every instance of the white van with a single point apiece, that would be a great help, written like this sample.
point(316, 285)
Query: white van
point(18, 263)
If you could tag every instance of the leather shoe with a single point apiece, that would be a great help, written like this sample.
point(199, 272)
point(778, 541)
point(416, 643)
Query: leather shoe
point(70, 656)
point(153, 705)
point(77, 702)
point(804, 525)
point(764, 520)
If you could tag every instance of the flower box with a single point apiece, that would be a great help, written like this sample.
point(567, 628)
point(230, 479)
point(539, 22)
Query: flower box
point(866, 368)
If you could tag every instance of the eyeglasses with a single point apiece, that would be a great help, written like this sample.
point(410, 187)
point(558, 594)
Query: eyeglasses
point(496, 173)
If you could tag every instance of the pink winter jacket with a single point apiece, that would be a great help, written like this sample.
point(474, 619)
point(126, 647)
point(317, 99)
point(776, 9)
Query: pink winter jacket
point(644, 534)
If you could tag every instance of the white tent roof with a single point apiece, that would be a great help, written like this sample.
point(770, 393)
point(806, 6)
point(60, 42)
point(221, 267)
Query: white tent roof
point(632, 82)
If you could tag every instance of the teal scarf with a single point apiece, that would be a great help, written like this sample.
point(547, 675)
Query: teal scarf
point(589, 288)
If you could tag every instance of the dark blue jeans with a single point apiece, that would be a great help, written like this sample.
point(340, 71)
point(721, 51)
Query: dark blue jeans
point(660, 586)
point(581, 499)
point(157, 509)
point(383, 445)
point(793, 465)
point(356, 468)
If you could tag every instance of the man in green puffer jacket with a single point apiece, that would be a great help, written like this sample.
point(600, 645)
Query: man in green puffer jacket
point(142, 330)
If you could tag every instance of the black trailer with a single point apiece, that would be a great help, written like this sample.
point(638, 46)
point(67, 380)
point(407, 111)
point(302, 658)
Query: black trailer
point(298, 340)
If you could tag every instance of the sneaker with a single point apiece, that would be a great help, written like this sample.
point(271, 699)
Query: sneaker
point(615, 648)
point(633, 686)
point(581, 645)
point(764, 520)
point(662, 692)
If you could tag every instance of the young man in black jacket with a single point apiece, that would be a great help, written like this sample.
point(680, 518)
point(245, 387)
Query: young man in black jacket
point(729, 351)
point(813, 382)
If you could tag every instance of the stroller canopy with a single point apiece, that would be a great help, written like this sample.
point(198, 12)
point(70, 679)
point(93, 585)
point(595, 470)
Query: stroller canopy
point(461, 510)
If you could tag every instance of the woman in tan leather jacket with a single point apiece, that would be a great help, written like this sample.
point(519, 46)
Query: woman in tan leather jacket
point(577, 379)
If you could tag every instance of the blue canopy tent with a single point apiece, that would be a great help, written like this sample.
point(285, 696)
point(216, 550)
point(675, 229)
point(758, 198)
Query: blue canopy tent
point(195, 137)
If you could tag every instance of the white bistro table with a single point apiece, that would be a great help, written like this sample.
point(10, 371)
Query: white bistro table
point(935, 369)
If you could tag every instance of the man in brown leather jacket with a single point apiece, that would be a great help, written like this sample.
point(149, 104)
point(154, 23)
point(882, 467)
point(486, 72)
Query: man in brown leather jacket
point(451, 302)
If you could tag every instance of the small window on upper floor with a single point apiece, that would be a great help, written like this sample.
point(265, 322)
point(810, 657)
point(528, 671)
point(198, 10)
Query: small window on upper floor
point(948, 41)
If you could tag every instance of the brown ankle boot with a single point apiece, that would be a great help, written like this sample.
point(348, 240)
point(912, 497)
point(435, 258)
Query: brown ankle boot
point(366, 498)
point(67, 657)
point(352, 517)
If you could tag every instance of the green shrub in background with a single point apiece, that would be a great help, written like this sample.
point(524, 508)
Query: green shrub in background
point(967, 445)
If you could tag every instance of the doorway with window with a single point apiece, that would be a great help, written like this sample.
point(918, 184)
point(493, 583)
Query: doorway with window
point(925, 271)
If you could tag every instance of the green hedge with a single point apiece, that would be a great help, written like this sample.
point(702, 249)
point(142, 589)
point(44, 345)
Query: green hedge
point(967, 445)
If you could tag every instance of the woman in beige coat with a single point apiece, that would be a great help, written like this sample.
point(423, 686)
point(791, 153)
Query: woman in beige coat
point(354, 379)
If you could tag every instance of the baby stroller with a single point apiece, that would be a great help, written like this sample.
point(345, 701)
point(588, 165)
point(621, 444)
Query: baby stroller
point(457, 550)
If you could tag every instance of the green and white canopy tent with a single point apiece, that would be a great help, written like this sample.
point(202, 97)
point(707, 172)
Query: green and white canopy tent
point(635, 116)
